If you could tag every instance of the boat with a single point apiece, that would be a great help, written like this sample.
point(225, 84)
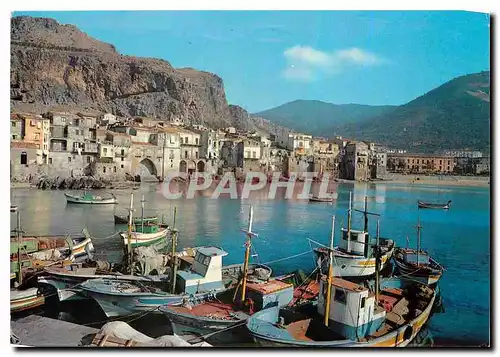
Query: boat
point(417, 264)
point(22, 297)
point(88, 198)
point(122, 298)
point(348, 314)
point(355, 255)
point(228, 310)
point(358, 318)
point(326, 199)
point(22, 300)
point(145, 234)
point(422, 204)
point(137, 221)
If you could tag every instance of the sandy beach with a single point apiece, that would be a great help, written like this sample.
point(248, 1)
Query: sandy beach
point(470, 181)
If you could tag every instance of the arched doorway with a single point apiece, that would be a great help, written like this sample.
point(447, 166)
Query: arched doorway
point(146, 169)
point(200, 166)
point(183, 166)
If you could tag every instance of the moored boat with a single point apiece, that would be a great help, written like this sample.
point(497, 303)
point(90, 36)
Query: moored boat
point(422, 204)
point(221, 317)
point(355, 255)
point(22, 300)
point(417, 264)
point(348, 314)
point(137, 221)
point(88, 198)
point(121, 298)
point(326, 199)
point(145, 234)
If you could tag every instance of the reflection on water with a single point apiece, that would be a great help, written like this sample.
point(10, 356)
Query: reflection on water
point(458, 238)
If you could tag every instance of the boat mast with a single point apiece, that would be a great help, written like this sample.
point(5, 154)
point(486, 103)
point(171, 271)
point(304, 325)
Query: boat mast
point(330, 275)
point(129, 233)
point(377, 264)
point(349, 212)
point(174, 256)
point(419, 227)
point(142, 213)
point(248, 245)
point(19, 242)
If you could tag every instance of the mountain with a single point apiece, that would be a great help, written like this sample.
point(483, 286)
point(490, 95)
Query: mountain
point(313, 116)
point(58, 65)
point(456, 115)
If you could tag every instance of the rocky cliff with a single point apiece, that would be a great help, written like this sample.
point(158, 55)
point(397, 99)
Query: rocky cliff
point(58, 65)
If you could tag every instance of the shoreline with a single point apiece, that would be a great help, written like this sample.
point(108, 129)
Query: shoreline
point(434, 182)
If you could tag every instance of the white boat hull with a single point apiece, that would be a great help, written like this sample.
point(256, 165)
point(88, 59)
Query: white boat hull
point(355, 266)
point(139, 239)
point(79, 200)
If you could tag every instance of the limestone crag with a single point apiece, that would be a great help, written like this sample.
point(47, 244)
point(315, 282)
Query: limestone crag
point(58, 65)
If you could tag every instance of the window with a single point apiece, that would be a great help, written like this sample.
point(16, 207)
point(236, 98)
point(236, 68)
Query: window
point(123, 152)
point(440, 162)
point(69, 159)
point(50, 160)
point(88, 159)
point(122, 166)
point(32, 123)
point(172, 140)
point(363, 302)
point(197, 141)
point(36, 136)
point(24, 158)
point(417, 161)
point(13, 123)
point(340, 296)
point(14, 137)
point(185, 154)
point(114, 168)
point(254, 154)
point(413, 161)
point(105, 151)
point(186, 140)
point(122, 158)
point(440, 168)
point(196, 154)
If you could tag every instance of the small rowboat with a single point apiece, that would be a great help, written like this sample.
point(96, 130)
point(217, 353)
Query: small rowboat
point(151, 234)
point(21, 300)
point(325, 199)
point(422, 204)
point(136, 221)
point(88, 198)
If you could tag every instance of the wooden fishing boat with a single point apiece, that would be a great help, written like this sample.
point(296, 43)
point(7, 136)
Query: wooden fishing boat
point(121, 298)
point(326, 199)
point(422, 204)
point(354, 256)
point(357, 318)
point(137, 221)
point(145, 234)
point(22, 300)
point(229, 309)
point(88, 198)
point(417, 264)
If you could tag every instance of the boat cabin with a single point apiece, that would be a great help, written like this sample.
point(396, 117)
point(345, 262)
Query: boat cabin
point(267, 294)
point(358, 244)
point(205, 273)
point(353, 311)
point(410, 256)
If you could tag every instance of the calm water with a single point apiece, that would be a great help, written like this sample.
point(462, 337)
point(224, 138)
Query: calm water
point(459, 239)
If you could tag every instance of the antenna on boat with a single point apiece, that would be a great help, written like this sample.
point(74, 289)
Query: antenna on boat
point(377, 264)
point(419, 227)
point(174, 256)
point(366, 213)
point(248, 245)
point(330, 275)
point(129, 233)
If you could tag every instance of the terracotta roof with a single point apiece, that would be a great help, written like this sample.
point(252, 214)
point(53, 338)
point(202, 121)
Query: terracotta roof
point(15, 116)
point(23, 144)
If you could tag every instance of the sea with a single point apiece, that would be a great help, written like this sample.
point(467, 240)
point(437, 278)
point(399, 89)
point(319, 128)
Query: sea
point(458, 238)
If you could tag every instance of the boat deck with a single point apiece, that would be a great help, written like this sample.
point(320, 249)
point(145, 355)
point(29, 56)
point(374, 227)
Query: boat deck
point(216, 310)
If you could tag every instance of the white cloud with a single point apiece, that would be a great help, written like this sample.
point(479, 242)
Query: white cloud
point(305, 63)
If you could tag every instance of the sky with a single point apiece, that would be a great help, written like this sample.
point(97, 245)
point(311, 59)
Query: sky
point(268, 58)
